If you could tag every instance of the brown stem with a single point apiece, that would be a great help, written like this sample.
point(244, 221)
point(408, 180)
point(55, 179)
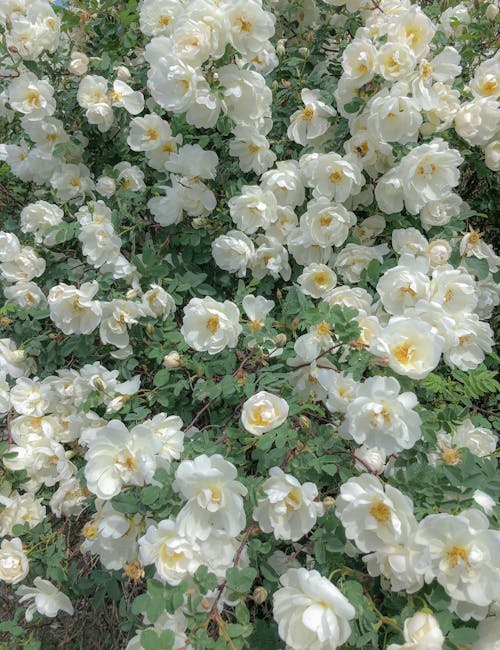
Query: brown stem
point(253, 528)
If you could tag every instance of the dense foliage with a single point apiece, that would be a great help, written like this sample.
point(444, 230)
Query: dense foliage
point(247, 376)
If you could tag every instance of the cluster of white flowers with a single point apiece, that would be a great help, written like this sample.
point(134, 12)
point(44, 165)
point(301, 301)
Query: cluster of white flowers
point(419, 301)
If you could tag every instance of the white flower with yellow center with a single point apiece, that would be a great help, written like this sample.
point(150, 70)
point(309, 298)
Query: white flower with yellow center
point(372, 516)
point(461, 552)
point(289, 509)
point(263, 412)
point(210, 326)
point(32, 96)
point(175, 557)
point(47, 599)
point(309, 123)
point(118, 457)
point(381, 417)
point(311, 612)
point(214, 497)
point(72, 310)
point(411, 346)
point(317, 280)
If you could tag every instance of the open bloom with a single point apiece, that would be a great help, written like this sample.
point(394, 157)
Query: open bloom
point(263, 412)
point(214, 497)
point(72, 310)
point(47, 599)
point(374, 517)
point(288, 509)
point(14, 565)
point(210, 326)
point(311, 612)
point(412, 346)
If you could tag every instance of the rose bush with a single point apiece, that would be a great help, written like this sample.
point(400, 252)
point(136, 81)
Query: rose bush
point(247, 380)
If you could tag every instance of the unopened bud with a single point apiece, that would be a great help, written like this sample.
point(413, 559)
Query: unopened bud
point(329, 502)
point(199, 222)
point(172, 360)
point(259, 595)
point(305, 423)
point(280, 47)
point(13, 49)
point(304, 51)
point(491, 12)
point(286, 84)
point(150, 328)
point(280, 340)
point(99, 384)
point(295, 322)
point(131, 294)
point(117, 403)
point(122, 73)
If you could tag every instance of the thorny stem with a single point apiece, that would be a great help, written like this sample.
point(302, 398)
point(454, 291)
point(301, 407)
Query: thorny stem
point(213, 613)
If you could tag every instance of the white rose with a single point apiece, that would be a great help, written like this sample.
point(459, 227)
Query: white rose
point(48, 600)
point(311, 612)
point(374, 516)
point(421, 632)
point(288, 509)
point(79, 63)
point(263, 412)
point(14, 564)
point(210, 326)
point(477, 121)
point(411, 346)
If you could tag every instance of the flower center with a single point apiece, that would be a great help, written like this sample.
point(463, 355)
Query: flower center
point(325, 221)
point(452, 456)
point(323, 328)
point(381, 512)
point(253, 148)
point(455, 554)
point(261, 415)
point(212, 324)
point(307, 114)
point(336, 176)
point(403, 353)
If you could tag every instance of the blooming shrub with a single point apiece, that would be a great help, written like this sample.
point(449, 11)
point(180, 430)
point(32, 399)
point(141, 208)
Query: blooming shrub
point(247, 378)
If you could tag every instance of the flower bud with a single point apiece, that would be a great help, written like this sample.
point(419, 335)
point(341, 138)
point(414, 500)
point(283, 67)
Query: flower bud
point(122, 73)
point(79, 63)
point(117, 403)
point(329, 502)
point(172, 360)
point(280, 47)
point(305, 423)
point(491, 12)
point(259, 595)
point(150, 328)
point(304, 51)
point(280, 340)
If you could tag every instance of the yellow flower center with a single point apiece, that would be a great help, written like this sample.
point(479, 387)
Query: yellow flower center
point(381, 512)
point(307, 114)
point(212, 324)
point(320, 277)
point(245, 25)
point(325, 221)
point(164, 21)
point(253, 148)
point(403, 353)
point(152, 134)
point(258, 416)
point(455, 554)
point(336, 176)
point(452, 456)
point(323, 328)
point(34, 97)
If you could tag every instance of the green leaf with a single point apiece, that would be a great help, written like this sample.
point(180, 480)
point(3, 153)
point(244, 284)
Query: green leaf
point(240, 580)
point(480, 267)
